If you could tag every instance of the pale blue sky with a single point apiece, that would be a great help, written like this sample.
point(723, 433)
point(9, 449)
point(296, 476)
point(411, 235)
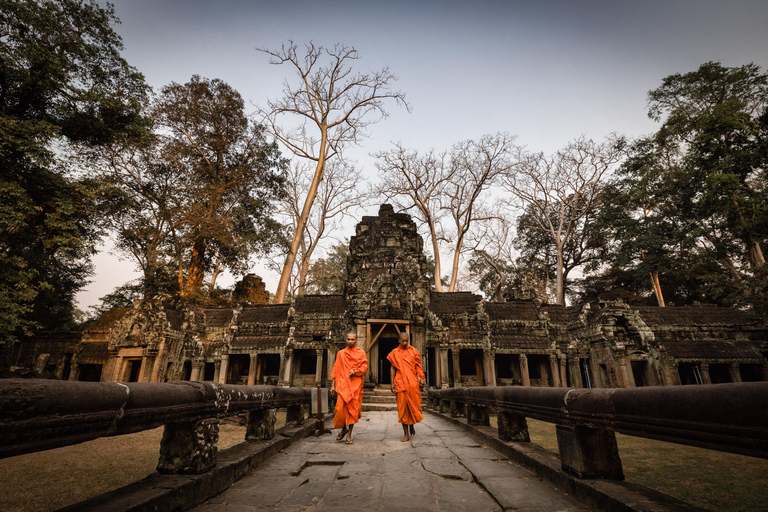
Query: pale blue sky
point(546, 71)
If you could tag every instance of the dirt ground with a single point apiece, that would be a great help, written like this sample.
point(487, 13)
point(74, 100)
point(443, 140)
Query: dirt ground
point(49, 480)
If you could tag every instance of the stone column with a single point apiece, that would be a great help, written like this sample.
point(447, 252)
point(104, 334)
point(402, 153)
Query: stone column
point(563, 373)
point(74, 371)
point(189, 448)
point(524, 370)
point(628, 376)
point(574, 366)
point(252, 370)
point(146, 369)
point(444, 382)
point(319, 367)
point(224, 367)
point(513, 427)
point(216, 371)
point(554, 369)
point(704, 371)
point(194, 375)
point(489, 368)
point(733, 369)
point(331, 359)
point(456, 368)
point(288, 367)
point(118, 369)
point(763, 372)
point(259, 367)
point(589, 453)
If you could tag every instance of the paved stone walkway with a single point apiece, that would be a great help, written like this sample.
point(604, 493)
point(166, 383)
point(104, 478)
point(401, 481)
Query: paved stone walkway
point(440, 469)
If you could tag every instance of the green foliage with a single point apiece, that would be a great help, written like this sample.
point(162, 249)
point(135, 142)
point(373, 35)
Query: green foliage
point(690, 204)
point(328, 275)
point(63, 85)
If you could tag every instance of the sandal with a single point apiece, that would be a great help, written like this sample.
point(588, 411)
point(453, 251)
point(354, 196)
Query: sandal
point(349, 441)
point(341, 435)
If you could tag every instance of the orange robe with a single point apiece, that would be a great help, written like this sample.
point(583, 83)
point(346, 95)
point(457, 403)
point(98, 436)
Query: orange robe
point(407, 362)
point(349, 390)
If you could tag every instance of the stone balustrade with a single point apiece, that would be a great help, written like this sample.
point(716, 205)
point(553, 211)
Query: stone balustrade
point(42, 414)
point(725, 417)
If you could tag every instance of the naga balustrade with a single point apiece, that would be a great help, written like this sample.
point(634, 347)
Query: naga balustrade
point(726, 417)
point(42, 414)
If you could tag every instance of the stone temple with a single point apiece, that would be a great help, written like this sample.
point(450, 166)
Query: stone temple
point(464, 340)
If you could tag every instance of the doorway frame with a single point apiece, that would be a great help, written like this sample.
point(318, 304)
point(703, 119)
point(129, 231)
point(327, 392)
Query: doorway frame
point(380, 325)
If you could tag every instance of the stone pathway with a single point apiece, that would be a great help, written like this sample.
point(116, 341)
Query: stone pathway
point(440, 469)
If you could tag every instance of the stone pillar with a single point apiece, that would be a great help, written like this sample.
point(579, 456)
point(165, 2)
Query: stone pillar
point(331, 361)
point(628, 376)
point(670, 374)
point(589, 453)
point(554, 369)
point(489, 362)
point(445, 406)
point(224, 367)
point(456, 368)
point(458, 410)
point(444, 382)
point(319, 368)
point(118, 369)
point(478, 415)
point(704, 371)
point(733, 369)
point(216, 371)
point(74, 371)
point(288, 367)
point(252, 370)
point(194, 375)
point(574, 366)
point(146, 369)
point(189, 448)
point(563, 372)
point(513, 427)
point(259, 366)
point(261, 425)
point(763, 372)
point(294, 415)
point(524, 370)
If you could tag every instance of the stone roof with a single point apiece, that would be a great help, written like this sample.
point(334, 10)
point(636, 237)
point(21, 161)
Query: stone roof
point(712, 350)
point(258, 341)
point(561, 314)
point(93, 352)
point(219, 317)
point(107, 320)
point(520, 341)
point(321, 304)
point(694, 315)
point(264, 314)
point(517, 310)
point(453, 303)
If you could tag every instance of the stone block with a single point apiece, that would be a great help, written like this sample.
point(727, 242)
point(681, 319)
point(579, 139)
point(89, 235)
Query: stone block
point(589, 453)
point(189, 448)
point(261, 425)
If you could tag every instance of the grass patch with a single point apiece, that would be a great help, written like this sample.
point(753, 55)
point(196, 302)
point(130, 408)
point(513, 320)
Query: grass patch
point(50, 480)
point(709, 479)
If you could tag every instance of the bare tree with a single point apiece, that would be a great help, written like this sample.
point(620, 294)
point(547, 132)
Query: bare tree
point(563, 190)
point(416, 183)
point(476, 166)
point(334, 107)
point(341, 191)
point(454, 184)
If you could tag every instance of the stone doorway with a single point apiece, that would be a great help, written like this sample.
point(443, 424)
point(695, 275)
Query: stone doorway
point(381, 339)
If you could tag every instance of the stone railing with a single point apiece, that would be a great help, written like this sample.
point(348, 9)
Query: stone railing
point(42, 414)
point(725, 417)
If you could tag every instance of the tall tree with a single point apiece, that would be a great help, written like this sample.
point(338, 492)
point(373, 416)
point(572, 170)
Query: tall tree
point(453, 185)
point(562, 192)
point(225, 181)
point(63, 85)
point(334, 106)
point(341, 192)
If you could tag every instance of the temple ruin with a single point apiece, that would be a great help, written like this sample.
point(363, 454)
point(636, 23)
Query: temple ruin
point(464, 340)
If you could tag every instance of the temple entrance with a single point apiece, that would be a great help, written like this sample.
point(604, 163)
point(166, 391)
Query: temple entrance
point(382, 338)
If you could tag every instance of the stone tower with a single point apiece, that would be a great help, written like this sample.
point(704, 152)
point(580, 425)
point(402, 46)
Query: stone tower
point(387, 291)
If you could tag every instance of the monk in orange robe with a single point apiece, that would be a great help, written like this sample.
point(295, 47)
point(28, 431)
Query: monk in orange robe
point(407, 378)
point(347, 375)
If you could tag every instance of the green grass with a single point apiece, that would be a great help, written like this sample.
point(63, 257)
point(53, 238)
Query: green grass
point(709, 479)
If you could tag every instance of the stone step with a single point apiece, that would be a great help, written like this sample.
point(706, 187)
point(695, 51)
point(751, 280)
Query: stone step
point(373, 399)
point(378, 407)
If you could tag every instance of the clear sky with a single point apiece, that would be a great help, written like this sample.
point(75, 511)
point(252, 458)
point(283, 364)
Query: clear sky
point(546, 71)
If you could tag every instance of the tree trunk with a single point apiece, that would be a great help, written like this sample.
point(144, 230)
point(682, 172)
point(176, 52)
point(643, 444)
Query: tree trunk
point(657, 289)
point(436, 250)
point(560, 283)
point(196, 270)
point(756, 257)
point(290, 258)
